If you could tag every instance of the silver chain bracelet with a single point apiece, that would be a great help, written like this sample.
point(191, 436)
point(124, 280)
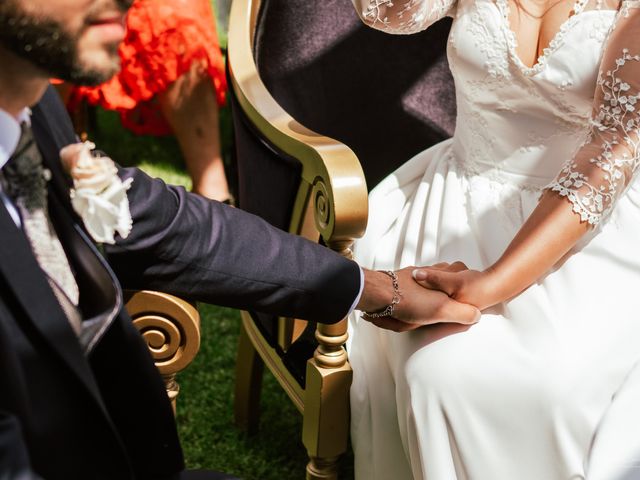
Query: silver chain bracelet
point(389, 309)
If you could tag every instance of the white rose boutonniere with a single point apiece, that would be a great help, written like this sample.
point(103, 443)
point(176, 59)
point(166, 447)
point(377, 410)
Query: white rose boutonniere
point(98, 195)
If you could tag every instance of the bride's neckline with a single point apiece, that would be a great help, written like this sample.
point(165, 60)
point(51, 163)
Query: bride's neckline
point(554, 44)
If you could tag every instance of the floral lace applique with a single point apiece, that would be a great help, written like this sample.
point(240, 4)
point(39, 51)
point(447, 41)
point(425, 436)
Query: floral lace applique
point(601, 29)
point(402, 16)
point(604, 166)
point(491, 46)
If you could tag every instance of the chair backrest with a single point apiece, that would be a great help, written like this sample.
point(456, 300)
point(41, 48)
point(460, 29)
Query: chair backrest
point(385, 96)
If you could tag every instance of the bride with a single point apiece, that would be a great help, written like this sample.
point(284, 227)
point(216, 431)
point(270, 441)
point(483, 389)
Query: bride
point(536, 194)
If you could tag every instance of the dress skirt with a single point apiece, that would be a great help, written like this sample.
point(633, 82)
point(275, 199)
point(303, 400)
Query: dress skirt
point(546, 386)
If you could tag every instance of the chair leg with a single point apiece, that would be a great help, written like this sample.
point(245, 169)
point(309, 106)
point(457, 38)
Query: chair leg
point(249, 368)
point(322, 468)
point(325, 425)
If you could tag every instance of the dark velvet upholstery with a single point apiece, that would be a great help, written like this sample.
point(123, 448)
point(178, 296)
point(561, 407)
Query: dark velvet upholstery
point(385, 96)
point(260, 166)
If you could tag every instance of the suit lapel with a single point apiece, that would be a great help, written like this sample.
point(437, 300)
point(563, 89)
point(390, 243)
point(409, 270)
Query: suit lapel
point(29, 285)
point(100, 292)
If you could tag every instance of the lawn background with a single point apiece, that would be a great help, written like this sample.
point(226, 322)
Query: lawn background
point(205, 404)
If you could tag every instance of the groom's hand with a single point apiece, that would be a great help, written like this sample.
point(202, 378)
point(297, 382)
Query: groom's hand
point(479, 288)
point(418, 306)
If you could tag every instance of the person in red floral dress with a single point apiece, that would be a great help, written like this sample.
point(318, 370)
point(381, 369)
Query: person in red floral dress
point(172, 81)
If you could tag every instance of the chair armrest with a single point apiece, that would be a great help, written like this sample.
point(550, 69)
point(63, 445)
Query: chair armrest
point(332, 201)
point(333, 179)
point(170, 326)
point(339, 191)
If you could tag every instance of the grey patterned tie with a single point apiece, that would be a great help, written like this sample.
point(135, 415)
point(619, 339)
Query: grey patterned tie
point(26, 184)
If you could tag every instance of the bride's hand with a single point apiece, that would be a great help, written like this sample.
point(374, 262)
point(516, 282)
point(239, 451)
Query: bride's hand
point(460, 283)
point(419, 307)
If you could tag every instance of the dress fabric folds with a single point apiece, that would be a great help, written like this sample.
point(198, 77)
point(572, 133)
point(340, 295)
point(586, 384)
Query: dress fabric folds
point(164, 38)
point(547, 385)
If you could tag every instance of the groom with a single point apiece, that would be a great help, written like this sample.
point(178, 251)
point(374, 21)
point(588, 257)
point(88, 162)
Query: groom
point(79, 395)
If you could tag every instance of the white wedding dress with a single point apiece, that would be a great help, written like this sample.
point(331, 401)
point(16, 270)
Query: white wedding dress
point(547, 385)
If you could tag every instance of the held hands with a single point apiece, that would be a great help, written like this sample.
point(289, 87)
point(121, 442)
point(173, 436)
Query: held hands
point(418, 306)
point(461, 284)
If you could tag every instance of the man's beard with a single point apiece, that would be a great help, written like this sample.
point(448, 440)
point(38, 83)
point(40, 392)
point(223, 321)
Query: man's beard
point(46, 44)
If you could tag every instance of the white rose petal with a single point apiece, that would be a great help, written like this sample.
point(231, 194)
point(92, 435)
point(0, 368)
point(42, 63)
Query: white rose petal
point(98, 196)
point(106, 213)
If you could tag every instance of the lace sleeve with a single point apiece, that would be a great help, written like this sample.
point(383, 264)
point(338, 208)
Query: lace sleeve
point(402, 16)
point(608, 160)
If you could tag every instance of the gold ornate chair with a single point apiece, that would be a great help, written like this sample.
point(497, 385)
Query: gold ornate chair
point(296, 68)
point(171, 328)
point(330, 203)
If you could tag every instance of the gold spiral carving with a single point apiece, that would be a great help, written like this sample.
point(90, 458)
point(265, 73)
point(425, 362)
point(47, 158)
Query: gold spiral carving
point(323, 206)
point(166, 341)
point(169, 326)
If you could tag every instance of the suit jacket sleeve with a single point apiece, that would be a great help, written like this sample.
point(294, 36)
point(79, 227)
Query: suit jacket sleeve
point(192, 247)
point(197, 248)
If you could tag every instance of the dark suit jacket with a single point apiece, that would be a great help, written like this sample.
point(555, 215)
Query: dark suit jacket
point(69, 415)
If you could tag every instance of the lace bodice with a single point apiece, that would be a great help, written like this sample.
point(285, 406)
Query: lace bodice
point(569, 123)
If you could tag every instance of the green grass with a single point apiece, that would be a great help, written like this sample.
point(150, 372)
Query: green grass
point(222, 19)
point(205, 409)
